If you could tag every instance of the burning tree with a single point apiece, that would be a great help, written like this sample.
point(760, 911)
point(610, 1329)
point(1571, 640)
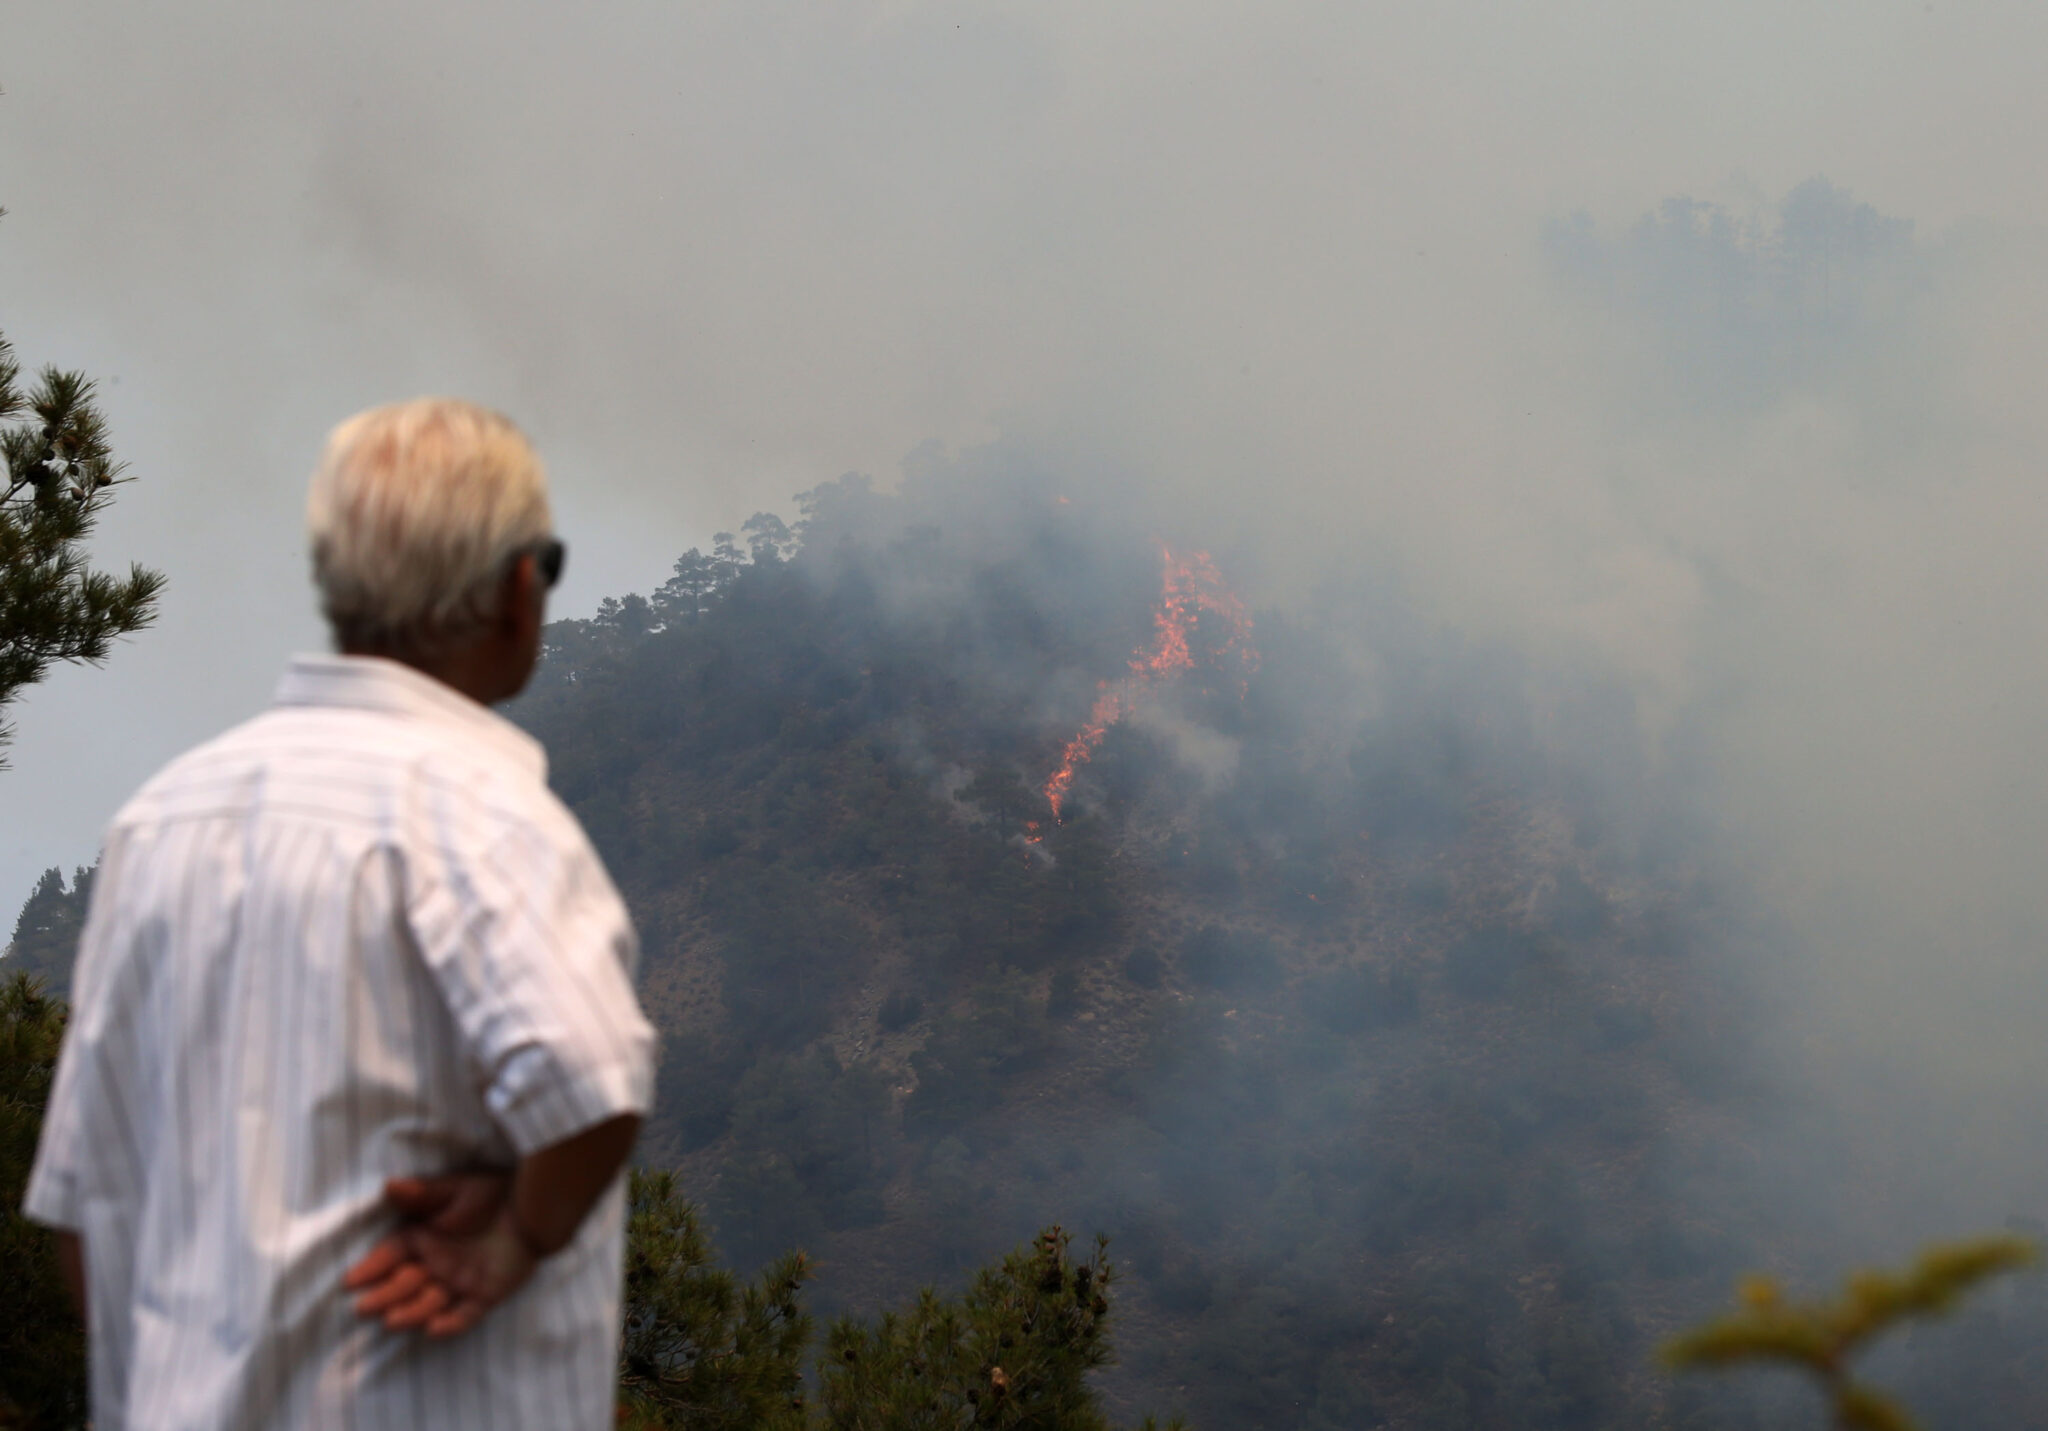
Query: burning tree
point(1190, 588)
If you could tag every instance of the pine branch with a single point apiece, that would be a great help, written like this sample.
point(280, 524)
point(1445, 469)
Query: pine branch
point(60, 469)
point(1823, 1337)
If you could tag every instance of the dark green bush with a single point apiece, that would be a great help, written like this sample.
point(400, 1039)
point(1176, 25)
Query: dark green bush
point(970, 1058)
point(1063, 995)
point(899, 1011)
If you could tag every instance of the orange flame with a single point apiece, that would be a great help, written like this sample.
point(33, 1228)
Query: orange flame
point(1189, 586)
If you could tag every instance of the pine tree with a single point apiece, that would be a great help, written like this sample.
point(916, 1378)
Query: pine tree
point(699, 1349)
point(687, 595)
point(1014, 1351)
point(60, 471)
point(46, 934)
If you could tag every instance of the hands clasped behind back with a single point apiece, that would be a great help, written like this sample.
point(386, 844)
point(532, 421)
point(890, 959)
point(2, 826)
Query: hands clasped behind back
point(470, 1240)
point(458, 1254)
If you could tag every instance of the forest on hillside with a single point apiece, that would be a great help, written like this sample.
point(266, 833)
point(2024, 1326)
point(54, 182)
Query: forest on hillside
point(1401, 1077)
point(1412, 1059)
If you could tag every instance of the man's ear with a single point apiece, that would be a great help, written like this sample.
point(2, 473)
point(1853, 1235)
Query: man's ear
point(522, 582)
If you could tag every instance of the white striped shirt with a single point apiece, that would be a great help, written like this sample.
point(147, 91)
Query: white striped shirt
point(353, 939)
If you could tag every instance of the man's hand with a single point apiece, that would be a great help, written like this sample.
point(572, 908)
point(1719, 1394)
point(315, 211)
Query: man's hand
point(459, 1255)
point(472, 1239)
point(454, 1278)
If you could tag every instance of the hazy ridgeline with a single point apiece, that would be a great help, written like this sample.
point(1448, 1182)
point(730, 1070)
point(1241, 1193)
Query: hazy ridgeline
point(1432, 1025)
point(1423, 1067)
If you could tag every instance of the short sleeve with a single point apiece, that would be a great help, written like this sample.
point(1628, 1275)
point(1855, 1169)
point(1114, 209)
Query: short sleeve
point(53, 1197)
point(533, 952)
point(87, 1143)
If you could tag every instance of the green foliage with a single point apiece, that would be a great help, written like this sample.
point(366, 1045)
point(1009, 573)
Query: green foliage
point(804, 1133)
point(1014, 1351)
point(60, 471)
point(699, 1349)
point(1263, 1007)
point(970, 1057)
point(782, 946)
point(1821, 1338)
point(42, 1346)
point(702, 1351)
point(1063, 995)
point(46, 933)
point(899, 1011)
point(1143, 967)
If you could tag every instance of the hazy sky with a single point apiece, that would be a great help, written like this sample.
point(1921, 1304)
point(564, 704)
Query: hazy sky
point(1288, 261)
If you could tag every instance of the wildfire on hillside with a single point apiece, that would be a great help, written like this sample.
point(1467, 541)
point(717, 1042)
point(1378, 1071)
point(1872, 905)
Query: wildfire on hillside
point(1189, 587)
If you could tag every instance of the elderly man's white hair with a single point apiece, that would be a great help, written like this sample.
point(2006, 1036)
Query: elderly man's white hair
point(415, 511)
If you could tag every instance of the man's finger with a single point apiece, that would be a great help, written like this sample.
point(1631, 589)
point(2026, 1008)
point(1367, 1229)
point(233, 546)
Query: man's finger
point(400, 1285)
point(456, 1320)
point(428, 1303)
point(377, 1264)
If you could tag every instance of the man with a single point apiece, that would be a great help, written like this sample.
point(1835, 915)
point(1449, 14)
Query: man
point(348, 957)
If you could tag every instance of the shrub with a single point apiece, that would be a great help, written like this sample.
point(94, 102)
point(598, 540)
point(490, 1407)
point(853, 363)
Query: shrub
point(966, 1063)
point(1014, 1351)
point(1064, 997)
point(698, 1348)
point(899, 1011)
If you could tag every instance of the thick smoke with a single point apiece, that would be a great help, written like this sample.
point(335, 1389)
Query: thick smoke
point(1805, 392)
point(1533, 337)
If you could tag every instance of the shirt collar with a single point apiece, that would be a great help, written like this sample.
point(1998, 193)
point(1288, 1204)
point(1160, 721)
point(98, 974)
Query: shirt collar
point(374, 683)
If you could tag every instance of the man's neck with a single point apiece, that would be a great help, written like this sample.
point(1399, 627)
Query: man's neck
point(473, 671)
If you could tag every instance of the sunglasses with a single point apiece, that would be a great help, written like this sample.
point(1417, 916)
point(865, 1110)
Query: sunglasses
point(548, 559)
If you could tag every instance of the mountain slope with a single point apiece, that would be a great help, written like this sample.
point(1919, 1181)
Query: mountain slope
point(1328, 1000)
